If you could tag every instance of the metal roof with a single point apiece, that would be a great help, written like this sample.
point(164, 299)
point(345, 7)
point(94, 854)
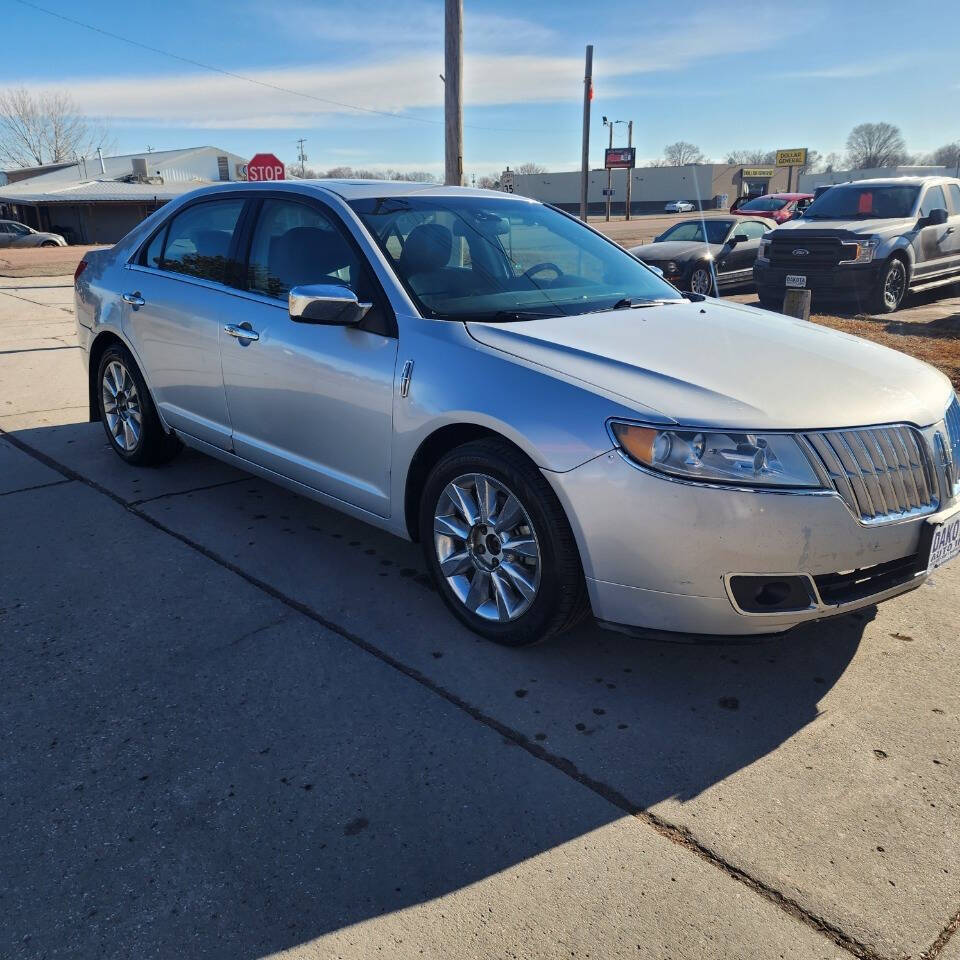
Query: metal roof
point(90, 191)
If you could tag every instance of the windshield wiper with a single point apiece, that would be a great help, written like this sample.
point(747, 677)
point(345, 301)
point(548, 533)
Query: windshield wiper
point(508, 316)
point(632, 303)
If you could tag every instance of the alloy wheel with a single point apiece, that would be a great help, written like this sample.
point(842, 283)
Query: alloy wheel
point(701, 281)
point(894, 285)
point(121, 406)
point(487, 548)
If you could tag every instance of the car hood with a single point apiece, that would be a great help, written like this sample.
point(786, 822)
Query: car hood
point(672, 250)
point(863, 227)
point(713, 364)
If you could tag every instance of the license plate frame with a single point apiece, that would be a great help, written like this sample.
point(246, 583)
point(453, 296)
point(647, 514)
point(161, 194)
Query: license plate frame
point(944, 539)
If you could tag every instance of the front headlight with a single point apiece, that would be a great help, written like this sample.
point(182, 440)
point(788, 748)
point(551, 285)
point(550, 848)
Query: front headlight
point(670, 268)
point(748, 459)
point(862, 252)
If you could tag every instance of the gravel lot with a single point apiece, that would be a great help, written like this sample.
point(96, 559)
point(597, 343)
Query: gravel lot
point(238, 724)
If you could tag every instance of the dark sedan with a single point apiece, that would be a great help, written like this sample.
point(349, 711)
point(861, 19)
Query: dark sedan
point(706, 254)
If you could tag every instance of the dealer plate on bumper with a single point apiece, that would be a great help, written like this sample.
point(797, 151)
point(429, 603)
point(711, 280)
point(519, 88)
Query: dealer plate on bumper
point(795, 280)
point(945, 542)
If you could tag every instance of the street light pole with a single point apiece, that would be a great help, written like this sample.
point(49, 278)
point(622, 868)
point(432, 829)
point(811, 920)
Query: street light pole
point(585, 156)
point(629, 169)
point(609, 123)
point(452, 84)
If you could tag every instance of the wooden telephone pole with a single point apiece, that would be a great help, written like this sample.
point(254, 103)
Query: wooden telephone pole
point(585, 158)
point(452, 87)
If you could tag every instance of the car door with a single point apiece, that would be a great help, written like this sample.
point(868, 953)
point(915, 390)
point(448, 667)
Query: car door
point(735, 264)
point(933, 241)
point(178, 297)
point(951, 244)
point(6, 234)
point(310, 402)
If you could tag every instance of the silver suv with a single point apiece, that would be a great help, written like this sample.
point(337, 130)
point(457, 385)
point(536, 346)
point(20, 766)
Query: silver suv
point(866, 243)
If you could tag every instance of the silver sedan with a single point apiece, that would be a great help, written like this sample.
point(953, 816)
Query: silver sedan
point(14, 234)
point(561, 429)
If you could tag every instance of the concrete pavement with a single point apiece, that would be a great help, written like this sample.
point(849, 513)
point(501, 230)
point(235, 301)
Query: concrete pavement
point(239, 723)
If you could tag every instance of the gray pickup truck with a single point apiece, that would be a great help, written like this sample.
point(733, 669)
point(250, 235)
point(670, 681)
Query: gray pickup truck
point(866, 243)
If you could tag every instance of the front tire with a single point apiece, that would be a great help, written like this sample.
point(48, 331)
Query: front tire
point(891, 287)
point(49, 243)
point(499, 546)
point(127, 412)
point(701, 280)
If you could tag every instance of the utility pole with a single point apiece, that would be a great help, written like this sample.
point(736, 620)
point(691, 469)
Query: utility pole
point(609, 123)
point(629, 169)
point(585, 158)
point(301, 156)
point(452, 84)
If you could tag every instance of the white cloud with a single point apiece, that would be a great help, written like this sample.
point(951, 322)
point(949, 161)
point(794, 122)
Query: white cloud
point(853, 70)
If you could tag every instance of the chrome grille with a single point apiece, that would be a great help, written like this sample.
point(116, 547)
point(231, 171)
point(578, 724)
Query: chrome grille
point(882, 473)
point(953, 432)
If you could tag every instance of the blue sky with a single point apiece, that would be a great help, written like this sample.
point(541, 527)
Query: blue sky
point(722, 75)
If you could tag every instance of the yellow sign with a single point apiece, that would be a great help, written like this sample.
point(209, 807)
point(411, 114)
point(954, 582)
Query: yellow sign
point(792, 158)
point(757, 173)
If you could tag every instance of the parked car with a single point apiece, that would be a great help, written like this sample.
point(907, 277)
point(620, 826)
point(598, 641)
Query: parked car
point(780, 207)
point(13, 234)
point(680, 206)
point(707, 254)
point(867, 243)
point(558, 426)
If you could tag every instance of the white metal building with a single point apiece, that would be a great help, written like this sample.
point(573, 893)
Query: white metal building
point(100, 200)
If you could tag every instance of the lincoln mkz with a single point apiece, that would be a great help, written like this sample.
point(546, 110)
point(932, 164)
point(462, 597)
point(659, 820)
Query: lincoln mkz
point(560, 428)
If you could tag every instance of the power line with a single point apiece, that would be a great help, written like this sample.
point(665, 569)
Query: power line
point(246, 79)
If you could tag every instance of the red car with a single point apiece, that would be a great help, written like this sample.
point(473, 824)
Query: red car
point(780, 207)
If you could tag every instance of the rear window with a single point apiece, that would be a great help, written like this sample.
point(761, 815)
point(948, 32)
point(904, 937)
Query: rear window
point(765, 203)
point(197, 242)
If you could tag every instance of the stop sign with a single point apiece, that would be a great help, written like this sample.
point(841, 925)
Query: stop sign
point(265, 166)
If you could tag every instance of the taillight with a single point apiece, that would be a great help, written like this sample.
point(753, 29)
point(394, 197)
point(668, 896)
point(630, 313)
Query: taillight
point(81, 266)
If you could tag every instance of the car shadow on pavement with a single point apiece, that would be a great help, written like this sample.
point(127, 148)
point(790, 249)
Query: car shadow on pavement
point(265, 727)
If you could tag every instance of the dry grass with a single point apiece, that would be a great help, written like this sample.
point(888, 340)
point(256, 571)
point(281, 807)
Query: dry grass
point(937, 342)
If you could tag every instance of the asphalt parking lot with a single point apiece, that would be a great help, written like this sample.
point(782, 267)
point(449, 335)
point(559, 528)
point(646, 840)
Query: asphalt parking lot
point(238, 724)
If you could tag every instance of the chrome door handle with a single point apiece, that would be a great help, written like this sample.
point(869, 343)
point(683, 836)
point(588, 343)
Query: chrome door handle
point(134, 299)
point(240, 332)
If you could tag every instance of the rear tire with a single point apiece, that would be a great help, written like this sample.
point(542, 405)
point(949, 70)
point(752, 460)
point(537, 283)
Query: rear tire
point(499, 546)
point(127, 412)
point(49, 243)
point(702, 280)
point(891, 287)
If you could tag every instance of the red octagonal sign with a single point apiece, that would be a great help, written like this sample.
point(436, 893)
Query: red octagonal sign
point(264, 166)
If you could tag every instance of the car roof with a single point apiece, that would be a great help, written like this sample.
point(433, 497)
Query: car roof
point(361, 189)
point(787, 196)
point(896, 181)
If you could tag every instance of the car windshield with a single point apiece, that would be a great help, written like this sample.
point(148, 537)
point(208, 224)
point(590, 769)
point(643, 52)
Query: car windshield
point(863, 202)
point(483, 258)
point(764, 203)
point(716, 231)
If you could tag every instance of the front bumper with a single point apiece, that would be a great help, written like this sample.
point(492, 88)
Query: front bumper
point(659, 553)
point(850, 283)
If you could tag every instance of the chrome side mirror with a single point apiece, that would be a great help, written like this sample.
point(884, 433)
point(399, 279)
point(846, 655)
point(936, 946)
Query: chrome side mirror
point(326, 303)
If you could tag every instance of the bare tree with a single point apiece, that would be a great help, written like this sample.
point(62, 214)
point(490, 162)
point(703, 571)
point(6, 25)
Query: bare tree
point(948, 155)
point(359, 173)
point(741, 157)
point(530, 168)
point(875, 145)
point(486, 182)
point(44, 128)
point(681, 153)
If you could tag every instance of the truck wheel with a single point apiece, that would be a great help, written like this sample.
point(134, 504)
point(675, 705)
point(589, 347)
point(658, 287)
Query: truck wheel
point(891, 287)
point(771, 303)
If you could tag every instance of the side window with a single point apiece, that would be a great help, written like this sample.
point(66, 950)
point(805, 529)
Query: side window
point(198, 241)
point(752, 229)
point(295, 244)
point(955, 197)
point(933, 200)
point(154, 252)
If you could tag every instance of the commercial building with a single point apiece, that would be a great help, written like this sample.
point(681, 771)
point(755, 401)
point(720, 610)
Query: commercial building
point(100, 199)
point(706, 185)
point(810, 181)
